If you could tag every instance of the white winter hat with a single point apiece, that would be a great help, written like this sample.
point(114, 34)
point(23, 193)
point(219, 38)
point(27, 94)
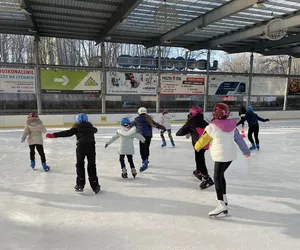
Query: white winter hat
point(142, 110)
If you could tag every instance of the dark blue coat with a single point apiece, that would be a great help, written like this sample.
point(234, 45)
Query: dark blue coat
point(252, 119)
point(143, 127)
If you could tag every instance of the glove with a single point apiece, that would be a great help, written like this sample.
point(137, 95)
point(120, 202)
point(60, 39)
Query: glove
point(143, 141)
point(50, 136)
point(188, 136)
point(267, 120)
point(106, 145)
point(247, 155)
point(23, 139)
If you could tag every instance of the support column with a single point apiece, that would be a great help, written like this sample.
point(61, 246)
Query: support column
point(250, 80)
point(37, 77)
point(206, 86)
point(287, 83)
point(158, 89)
point(104, 79)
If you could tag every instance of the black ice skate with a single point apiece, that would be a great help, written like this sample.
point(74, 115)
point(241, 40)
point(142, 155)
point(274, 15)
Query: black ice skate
point(133, 172)
point(124, 173)
point(207, 182)
point(97, 189)
point(78, 188)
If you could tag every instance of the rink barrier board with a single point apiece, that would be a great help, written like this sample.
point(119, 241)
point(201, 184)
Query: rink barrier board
point(18, 121)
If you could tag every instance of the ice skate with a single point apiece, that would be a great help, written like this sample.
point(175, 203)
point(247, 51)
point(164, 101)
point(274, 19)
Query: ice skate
point(164, 144)
point(172, 142)
point(207, 182)
point(32, 164)
point(45, 167)
point(97, 189)
point(257, 147)
point(220, 209)
point(124, 173)
point(78, 188)
point(198, 175)
point(253, 147)
point(133, 172)
point(144, 166)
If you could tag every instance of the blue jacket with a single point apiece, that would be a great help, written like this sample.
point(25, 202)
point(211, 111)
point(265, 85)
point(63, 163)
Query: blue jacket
point(143, 127)
point(252, 119)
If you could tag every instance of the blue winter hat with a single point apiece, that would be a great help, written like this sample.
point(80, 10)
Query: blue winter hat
point(81, 118)
point(249, 109)
point(125, 122)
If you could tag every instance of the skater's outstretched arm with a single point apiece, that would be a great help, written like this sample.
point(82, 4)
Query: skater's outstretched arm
point(158, 126)
point(203, 141)
point(140, 137)
point(242, 121)
point(185, 129)
point(262, 119)
point(66, 133)
point(114, 138)
point(241, 142)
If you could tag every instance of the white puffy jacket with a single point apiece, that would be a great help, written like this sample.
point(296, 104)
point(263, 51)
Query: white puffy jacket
point(126, 136)
point(222, 147)
point(166, 121)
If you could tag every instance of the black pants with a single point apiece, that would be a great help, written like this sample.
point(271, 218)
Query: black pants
point(169, 134)
point(82, 151)
point(144, 148)
point(40, 150)
point(200, 161)
point(255, 130)
point(219, 179)
point(130, 160)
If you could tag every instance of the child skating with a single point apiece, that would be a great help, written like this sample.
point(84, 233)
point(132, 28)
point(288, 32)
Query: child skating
point(166, 122)
point(195, 126)
point(252, 120)
point(33, 131)
point(221, 134)
point(126, 147)
point(144, 124)
point(84, 132)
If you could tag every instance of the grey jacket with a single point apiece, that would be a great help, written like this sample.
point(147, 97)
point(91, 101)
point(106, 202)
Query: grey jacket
point(126, 136)
point(33, 131)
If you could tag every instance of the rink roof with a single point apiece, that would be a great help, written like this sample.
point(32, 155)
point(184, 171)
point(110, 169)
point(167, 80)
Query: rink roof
point(233, 26)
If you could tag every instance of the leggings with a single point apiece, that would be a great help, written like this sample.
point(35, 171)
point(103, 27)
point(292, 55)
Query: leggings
point(145, 148)
point(130, 160)
point(200, 161)
point(219, 179)
point(40, 150)
point(255, 130)
point(169, 134)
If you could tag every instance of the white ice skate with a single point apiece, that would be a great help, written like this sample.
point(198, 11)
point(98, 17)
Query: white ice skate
point(224, 199)
point(220, 209)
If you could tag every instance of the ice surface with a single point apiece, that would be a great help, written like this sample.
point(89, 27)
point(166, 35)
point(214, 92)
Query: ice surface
point(162, 209)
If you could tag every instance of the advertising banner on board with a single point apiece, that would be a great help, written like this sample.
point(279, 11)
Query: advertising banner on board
point(14, 80)
point(228, 85)
point(70, 82)
point(121, 83)
point(268, 86)
point(294, 86)
point(182, 85)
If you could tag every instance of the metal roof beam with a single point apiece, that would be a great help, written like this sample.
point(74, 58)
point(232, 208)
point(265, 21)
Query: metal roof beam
point(266, 45)
point(61, 6)
point(71, 23)
point(285, 51)
point(102, 2)
point(210, 17)
point(62, 14)
point(31, 18)
point(123, 11)
point(290, 21)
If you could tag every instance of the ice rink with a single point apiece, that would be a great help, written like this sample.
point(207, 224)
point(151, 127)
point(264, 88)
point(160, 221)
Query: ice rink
point(163, 208)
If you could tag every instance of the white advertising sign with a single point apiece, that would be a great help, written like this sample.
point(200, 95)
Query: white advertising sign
point(182, 85)
point(131, 83)
point(17, 80)
point(228, 85)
